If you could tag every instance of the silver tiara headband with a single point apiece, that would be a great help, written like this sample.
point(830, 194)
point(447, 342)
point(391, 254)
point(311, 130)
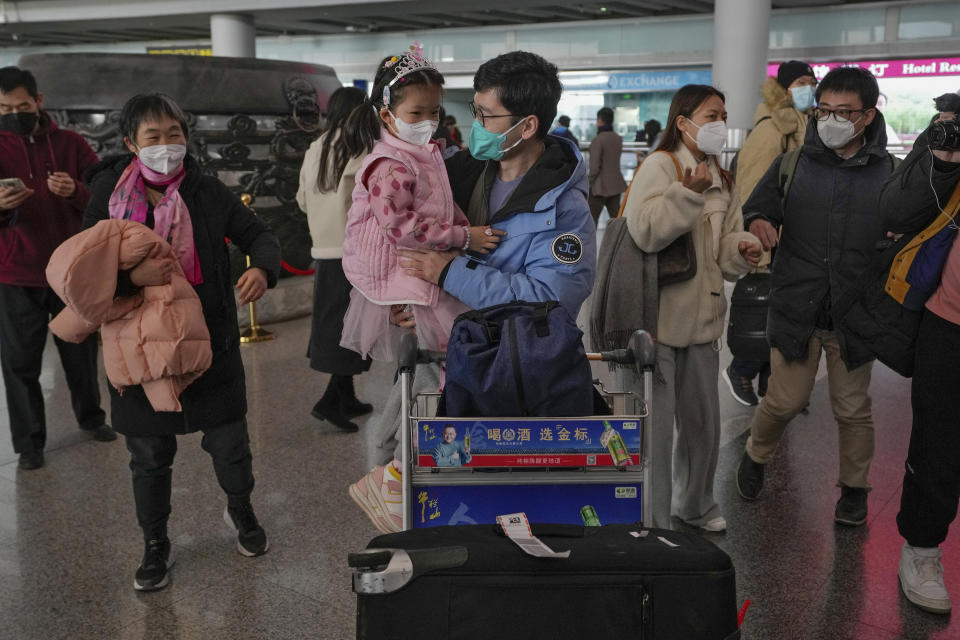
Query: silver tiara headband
point(405, 64)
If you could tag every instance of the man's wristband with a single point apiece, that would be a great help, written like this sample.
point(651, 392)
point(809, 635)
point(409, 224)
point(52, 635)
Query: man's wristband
point(466, 243)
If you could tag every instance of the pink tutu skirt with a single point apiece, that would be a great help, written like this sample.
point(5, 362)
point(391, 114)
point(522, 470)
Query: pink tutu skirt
point(368, 331)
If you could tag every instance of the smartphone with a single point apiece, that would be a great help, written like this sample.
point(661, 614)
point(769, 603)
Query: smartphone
point(12, 183)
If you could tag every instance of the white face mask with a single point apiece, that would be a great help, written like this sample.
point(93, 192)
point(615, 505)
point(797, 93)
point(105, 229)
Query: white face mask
point(711, 137)
point(836, 134)
point(418, 133)
point(163, 158)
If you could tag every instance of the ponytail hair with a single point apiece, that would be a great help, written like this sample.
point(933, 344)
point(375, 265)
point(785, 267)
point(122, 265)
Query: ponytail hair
point(362, 128)
point(334, 152)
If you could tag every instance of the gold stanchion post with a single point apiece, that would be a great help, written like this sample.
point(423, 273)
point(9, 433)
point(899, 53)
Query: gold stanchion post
point(255, 333)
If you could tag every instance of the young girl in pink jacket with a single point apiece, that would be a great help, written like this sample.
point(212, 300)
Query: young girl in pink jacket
point(402, 200)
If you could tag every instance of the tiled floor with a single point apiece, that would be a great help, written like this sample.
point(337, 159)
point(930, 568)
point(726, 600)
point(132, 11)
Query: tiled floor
point(69, 542)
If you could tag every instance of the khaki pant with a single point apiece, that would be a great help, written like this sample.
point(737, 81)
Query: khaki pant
point(789, 391)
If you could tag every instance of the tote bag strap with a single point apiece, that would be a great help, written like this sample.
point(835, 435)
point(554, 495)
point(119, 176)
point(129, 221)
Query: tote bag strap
point(623, 200)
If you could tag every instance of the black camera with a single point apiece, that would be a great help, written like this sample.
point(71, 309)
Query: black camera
point(945, 134)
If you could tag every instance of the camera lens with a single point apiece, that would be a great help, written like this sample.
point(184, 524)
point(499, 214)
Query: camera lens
point(945, 135)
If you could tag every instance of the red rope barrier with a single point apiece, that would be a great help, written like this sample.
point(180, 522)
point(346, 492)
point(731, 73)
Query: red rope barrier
point(287, 267)
point(295, 271)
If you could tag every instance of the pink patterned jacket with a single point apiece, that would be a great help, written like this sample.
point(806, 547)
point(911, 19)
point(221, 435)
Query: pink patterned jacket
point(402, 200)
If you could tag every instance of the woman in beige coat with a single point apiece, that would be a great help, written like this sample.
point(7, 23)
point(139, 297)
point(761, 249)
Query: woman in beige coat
point(325, 195)
point(661, 207)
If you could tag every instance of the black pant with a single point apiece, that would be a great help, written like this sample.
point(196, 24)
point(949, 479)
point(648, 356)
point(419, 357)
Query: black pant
point(151, 459)
point(597, 203)
point(24, 314)
point(750, 369)
point(931, 484)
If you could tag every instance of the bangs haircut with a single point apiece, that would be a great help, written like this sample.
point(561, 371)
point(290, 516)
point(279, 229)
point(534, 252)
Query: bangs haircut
point(526, 85)
point(685, 101)
point(853, 80)
point(144, 107)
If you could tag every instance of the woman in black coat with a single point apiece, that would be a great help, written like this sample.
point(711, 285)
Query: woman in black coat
point(158, 180)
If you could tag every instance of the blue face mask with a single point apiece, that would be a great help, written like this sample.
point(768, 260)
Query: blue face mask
point(485, 145)
point(802, 97)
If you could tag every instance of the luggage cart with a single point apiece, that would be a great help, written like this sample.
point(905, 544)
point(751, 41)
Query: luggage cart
point(546, 467)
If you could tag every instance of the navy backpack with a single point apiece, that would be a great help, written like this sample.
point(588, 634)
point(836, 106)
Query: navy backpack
point(517, 359)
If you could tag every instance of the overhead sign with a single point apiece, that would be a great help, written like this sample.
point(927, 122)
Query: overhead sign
point(181, 51)
point(637, 81)
point(925, 67)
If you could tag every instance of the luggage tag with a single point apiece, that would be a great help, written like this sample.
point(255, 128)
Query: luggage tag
point(517, 528)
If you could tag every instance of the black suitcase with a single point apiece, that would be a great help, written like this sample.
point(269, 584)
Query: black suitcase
point(467, 582)
point(747, 326)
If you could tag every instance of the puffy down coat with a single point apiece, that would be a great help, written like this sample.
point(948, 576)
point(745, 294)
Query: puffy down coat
point(157, 337)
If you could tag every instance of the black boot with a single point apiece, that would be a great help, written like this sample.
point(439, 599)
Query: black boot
point(328, 408)
point(349, 404)
point(749, 477)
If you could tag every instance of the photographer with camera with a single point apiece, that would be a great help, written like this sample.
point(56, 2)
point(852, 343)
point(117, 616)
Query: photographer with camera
point(925, 186)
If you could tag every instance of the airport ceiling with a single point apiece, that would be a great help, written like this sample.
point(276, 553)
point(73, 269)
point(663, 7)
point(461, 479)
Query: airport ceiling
point(26, 23)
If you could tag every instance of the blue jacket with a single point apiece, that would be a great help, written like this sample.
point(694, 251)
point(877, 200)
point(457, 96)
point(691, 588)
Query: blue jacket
point(549, 252)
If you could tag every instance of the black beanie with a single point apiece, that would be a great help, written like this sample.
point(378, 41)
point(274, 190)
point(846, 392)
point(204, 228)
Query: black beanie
point(790, 71)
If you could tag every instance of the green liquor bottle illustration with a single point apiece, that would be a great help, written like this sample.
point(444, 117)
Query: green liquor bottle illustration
point(589, 516)
point(613, 441)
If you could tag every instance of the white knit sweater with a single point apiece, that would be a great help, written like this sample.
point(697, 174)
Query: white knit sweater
point(326, 211)
point(660, 209)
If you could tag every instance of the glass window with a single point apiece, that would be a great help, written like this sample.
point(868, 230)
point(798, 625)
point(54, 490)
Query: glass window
point(827, 28)
point(928, 21)
point(577, 41)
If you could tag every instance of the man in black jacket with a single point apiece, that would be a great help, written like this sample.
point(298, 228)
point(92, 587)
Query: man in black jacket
point(829, 229)
point(912, 199)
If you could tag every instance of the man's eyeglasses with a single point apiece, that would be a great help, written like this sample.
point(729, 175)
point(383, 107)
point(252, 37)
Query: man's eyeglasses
point(838, 114)
point(479, 115)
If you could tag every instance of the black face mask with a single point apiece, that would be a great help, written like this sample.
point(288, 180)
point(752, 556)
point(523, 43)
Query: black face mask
point(20, 123)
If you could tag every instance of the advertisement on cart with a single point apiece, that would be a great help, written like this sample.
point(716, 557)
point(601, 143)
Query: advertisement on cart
point(434, 506)
point(534, 442)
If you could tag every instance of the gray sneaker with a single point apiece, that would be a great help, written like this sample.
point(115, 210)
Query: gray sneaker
point(921, 578)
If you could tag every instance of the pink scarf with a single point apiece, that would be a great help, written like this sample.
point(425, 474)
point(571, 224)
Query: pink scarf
point(171, 216)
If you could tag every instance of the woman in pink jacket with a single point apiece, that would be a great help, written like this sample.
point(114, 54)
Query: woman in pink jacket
point(402, 200)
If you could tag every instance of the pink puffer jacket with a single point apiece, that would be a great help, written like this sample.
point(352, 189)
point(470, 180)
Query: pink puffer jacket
point(156, 338)
point(402, 200)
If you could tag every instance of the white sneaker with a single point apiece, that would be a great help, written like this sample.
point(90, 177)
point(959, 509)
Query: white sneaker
point(921, 578)
point(715, 525)
point(384, 485)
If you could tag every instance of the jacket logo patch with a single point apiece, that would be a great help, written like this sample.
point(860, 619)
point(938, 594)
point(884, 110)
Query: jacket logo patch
point(567, 248)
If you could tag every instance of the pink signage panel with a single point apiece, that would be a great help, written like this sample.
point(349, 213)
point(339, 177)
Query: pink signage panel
point(890, 68)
